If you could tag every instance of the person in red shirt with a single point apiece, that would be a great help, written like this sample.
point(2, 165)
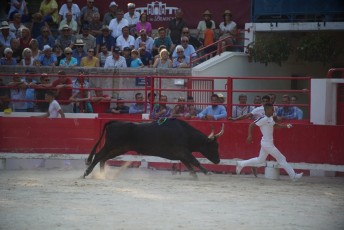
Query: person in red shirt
point(64, 89)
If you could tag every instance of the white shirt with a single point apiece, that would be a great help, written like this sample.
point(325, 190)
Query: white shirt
point(132, 20)
point(75, 11)
point(228, 28)
point(117, 27)
point(110, 62)
point(54, 108)
point(121, 42)
point(266, 125)
point(187, 52)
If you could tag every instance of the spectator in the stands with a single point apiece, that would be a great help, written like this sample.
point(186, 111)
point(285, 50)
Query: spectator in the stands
point(68, 61)
point(175, 26)
point(105, 38)
point(45, 38)
point(111, 14)
point(79, 51)
point(189, 50)
point(87, 38)
point(16, 25)
point(143, 24)
point(27, 59)
point(49, 10)
point(65, 39)
point(96, 25)
point(5, 36)
point(133, 18)
point(145, 56)
point(59, 53)
point(117, 24)
point(228, 30)
point(115, 60)
point(120, 108)
point(288, 111)
point(146, 39)
point(181, 61)
point(72, 24)
point(215, 111)
point(100, 102)
point(90, 60)
point(126, 53)
point(257, 101)
point(103, 54)
point(162, 110)
point(69, 7)
point(81, 95)
point(138, 106)
point(37, 24)
point(34, 47)
point(162, 40)
point(202, 24)
point(192, 40)
point(8, 59)
point(125, 40)
point(47, 58)
point(136, 60)
point(25, 38)
point(18, 6)
point(17, 50)
point(87, 12)
point(163, 61)
point(242, 108)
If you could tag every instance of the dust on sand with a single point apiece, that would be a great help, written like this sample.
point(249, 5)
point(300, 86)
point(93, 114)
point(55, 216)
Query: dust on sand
point(146, 199)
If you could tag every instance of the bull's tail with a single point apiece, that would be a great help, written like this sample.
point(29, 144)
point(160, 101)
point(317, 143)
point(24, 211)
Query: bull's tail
point(90, 157)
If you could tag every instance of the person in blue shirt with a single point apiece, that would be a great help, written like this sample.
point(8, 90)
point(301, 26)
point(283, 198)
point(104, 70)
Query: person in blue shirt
point(139, 106)
point(135, 60)
point(288, 111)
point(215, 111)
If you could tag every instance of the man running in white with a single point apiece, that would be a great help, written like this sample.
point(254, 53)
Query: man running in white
point(266, 125)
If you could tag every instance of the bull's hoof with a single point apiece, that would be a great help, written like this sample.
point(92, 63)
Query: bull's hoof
point(254, 171)
point(87, 162)
point(209, 173)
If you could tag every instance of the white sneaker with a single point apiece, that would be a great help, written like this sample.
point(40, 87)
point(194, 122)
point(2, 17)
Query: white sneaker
point(297, 176)
point(238, 167)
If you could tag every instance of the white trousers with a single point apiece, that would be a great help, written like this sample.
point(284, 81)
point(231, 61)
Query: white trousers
point(263, 154)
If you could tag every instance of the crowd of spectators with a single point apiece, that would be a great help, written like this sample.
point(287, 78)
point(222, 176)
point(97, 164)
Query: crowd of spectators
point(83, 29)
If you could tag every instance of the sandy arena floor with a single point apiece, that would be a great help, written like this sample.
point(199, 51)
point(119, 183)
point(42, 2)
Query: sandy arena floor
point(145, 199)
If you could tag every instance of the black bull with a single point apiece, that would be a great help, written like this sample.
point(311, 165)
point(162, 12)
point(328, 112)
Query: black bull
point(173, 139)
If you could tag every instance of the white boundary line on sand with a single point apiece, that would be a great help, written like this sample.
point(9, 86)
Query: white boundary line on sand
point(231, 162)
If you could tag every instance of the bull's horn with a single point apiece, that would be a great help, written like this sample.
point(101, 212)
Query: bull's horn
point(211, 135)
point(221, 132)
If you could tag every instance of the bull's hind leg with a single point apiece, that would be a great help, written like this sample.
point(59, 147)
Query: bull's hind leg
point(97, 157)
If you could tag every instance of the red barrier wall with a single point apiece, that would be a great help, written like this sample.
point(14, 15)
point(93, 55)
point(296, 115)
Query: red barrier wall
point(303, 143)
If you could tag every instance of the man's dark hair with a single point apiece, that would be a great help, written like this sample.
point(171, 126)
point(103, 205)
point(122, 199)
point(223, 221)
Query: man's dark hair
point(189, 98)
point(267, 97)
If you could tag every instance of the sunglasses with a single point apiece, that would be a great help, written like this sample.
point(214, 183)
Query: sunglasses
point(185, 32)
point(91, 51)
point(67, 53)
point(179, 52)
point(185, 41)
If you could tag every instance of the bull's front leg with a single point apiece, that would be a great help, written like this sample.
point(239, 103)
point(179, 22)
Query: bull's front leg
point(193, 161)
point(191, 169)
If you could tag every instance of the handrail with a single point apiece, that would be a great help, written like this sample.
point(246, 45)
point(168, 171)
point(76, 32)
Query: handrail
point(219, 48)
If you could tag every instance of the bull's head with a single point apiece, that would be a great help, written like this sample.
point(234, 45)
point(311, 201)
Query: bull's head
point(210, 148)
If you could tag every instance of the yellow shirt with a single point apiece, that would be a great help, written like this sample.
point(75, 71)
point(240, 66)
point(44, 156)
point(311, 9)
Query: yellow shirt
point(48, 7)
point(85, 62)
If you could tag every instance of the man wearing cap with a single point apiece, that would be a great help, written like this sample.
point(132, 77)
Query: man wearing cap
point(89, 40)
point(202, 24)
point(111, 14)
point(117, 24)
point(68, 20)
point(79, 51)
point(144, 38)
point(115, 60)
point(87, 12)
point(125, 40)
point(8, 59)
point(69, 7)
point(132, 17)
point(65, 39)
point(47, 58)
point(105, 38)
point(5, 36)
